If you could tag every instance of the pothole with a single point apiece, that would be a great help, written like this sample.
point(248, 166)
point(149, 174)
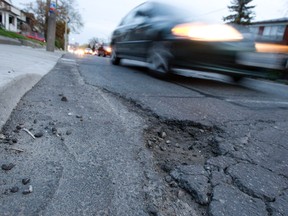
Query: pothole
point(175, 143)
point(182, 144)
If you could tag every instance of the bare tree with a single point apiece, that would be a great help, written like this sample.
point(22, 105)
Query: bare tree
point(93, 42)
point(37, 12)
point(66, 10)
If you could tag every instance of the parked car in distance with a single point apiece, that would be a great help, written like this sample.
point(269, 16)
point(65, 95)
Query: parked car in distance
point(88, 51)
point(104, 50)
point(79, 52)
point(166, 37)
point(34, 36)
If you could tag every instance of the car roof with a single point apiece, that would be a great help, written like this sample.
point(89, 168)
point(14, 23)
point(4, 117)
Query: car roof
point(168, 10)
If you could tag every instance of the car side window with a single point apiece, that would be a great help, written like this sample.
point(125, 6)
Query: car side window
point(144, 13)
point(128, 19)
point(138, 15)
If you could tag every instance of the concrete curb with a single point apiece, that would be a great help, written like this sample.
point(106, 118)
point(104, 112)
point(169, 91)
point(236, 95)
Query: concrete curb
point(12, 92)
point(20, 69)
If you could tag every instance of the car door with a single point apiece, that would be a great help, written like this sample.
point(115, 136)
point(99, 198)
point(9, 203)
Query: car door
point(130, 37)
point(122, 35)
point(139, 34)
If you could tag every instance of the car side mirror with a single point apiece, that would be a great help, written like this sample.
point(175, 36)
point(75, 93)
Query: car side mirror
point(142, 14)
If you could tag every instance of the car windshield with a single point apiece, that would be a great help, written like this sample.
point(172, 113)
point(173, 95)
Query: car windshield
point(165, 10)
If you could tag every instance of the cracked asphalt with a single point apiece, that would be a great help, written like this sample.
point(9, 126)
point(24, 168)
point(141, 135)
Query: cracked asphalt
point(126, 143)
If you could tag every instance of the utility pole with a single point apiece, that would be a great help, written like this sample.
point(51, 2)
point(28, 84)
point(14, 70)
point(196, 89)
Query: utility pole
point(51, 26)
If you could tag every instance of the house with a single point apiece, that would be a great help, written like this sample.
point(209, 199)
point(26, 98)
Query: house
point(275, 30)
point(11, 17)
point(272, 39)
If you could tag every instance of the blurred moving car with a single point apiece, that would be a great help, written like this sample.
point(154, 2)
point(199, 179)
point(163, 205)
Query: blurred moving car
point(166, 38)
point(79, 52)
point(88, 51)
point(104, 50)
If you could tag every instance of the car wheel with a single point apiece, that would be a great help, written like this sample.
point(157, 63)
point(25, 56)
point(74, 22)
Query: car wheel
point(115, 60)
point(237, 79)
point(159, 59)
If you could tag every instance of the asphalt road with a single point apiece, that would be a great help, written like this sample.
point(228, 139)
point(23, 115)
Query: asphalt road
point(115, 140)
point(201, 97)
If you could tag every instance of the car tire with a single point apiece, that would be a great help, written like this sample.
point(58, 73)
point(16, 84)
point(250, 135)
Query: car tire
point(115, 60)
point(237, 79)
point(159, 59)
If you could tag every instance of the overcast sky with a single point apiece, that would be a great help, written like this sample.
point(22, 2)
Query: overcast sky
point(101, 17)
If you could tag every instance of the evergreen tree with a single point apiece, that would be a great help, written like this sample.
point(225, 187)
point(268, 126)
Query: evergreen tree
point(243, 14)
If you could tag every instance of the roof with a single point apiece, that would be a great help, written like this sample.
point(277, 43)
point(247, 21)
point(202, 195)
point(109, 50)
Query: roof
point(7, 2)
point(272, 21)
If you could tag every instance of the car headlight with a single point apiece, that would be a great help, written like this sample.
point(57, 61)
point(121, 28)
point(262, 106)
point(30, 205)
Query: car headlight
point(207, 32)
point(80, 52)
point(108, 49)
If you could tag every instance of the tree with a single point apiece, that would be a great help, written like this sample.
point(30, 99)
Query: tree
point(60, 32)
point(36, 11)
point(93, 42)
point(66, 9)
point(31, 23)
point(243, 13)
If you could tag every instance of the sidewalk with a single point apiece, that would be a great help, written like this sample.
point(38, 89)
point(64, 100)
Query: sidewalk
point(21, 68)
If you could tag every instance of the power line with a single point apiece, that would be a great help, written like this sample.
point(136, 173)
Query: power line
point(214, 11)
